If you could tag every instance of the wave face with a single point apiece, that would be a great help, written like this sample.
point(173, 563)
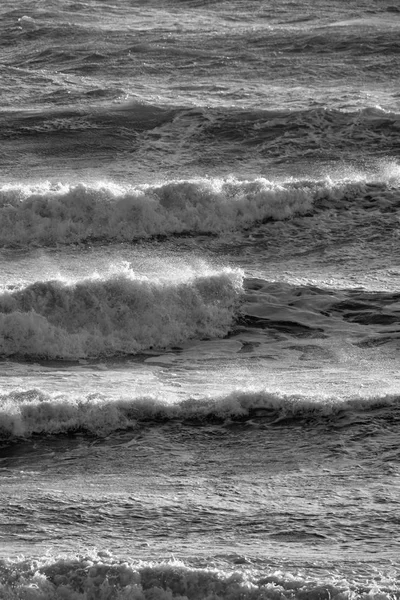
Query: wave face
point(48, 215)
point(120, 314)
point(105, 578)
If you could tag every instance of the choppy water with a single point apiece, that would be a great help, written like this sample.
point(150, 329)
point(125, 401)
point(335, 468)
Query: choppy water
point(199, 300)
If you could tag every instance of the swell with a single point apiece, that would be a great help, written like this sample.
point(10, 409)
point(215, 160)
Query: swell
point(50, 214)
point(82, 30)
point(131, 125)
point(319, 127)
point(161, 139)
point(24, 414)
point(118, 314)
point(105, 577)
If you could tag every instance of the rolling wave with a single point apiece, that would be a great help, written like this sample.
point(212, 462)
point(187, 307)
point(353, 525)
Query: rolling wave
point(104, 577)
point(48, 215)
point(118, 314)
point(34, 412)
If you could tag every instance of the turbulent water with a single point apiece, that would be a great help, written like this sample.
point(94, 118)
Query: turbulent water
point(199, 300)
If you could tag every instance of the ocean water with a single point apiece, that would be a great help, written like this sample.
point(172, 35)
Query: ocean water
point(199, 300)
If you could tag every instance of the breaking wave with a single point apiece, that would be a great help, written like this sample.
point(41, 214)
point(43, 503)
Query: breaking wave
point(51, 214)
point(34, 412)
point(48, 215)
point(103, 577)
point(118, 314)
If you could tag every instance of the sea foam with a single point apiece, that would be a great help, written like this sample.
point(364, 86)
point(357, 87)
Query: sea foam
point(103, 577)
